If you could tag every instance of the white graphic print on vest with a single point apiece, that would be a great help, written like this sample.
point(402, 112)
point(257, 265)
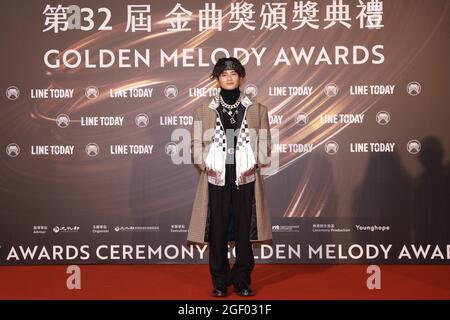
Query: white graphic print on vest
point(216, 158)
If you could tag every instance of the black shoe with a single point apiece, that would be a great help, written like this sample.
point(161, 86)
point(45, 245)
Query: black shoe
point(219, 292)
point(244, 290)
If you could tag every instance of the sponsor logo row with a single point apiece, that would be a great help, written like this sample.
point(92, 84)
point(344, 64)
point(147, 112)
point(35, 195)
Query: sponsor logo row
point(316, 227)
point(142, 120)
point(101, 228)
point(92, 149)
point(413, 88)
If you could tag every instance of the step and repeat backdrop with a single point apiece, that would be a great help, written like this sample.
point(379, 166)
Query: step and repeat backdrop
point(96, 108)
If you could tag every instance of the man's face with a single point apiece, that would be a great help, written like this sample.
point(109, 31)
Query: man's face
point(229, 79)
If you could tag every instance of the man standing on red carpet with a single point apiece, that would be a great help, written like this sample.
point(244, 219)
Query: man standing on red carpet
point(231, 142)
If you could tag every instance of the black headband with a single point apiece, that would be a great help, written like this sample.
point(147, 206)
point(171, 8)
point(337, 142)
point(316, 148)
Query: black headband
point(230, 65)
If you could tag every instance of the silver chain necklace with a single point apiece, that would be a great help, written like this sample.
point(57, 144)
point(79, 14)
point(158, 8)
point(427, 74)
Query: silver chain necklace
point(228, 108)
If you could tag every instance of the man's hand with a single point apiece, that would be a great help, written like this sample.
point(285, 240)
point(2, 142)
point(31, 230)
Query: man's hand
point(248, 173)
point(210, 172)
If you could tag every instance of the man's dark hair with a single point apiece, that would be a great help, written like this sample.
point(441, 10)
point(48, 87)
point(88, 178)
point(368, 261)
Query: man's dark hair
point(227, 64)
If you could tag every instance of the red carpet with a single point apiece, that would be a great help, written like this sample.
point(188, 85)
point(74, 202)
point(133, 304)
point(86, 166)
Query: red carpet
point(185, 282)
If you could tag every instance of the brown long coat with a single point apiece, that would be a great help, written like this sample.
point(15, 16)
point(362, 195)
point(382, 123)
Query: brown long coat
point(257, 118)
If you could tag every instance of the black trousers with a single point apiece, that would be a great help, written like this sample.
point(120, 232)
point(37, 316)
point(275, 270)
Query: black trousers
point(230, 215)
